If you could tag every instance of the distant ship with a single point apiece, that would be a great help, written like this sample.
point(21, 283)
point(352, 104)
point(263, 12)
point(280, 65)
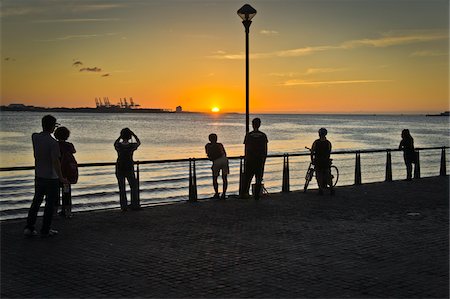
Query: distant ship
point(446, 113)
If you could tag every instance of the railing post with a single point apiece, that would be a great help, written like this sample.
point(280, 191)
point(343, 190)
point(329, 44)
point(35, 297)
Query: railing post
point(417, 166)
point(192, 181)
point(241, 176)
point(388, 166)
point(358, 169)
point(285, 185)
point(443, 170)
point(138, 185)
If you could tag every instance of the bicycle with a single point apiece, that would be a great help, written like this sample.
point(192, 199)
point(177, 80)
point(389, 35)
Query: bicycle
point(334, 174)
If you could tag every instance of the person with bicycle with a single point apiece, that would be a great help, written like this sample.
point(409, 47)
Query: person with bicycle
point(320, 157)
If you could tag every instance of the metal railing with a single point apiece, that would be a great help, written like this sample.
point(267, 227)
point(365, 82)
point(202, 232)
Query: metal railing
point(285, 175)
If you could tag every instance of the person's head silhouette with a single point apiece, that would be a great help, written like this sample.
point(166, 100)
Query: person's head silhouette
point(405, 133)
point(49, 123)
point(212, 137)
point(62, 133)
point(256, 123)
point(125, 134)
point(323, 132)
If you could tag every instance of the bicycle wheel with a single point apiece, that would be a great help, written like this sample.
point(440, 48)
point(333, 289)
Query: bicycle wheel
point(334, 175)
point(308, 178)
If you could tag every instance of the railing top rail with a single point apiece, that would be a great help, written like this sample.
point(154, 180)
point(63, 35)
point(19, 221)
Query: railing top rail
point(19, 168)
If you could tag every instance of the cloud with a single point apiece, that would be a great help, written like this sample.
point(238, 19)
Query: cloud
point(268, 32)
point(313, 71)
point(318, 83)
point(77, 63)
point(10, 59)
point(52, 7)
point(78, 36)
point(289, 74)
point(76, 20)
point(105, 75)
point(386, 40)
point(428, 53)
point(90, 69)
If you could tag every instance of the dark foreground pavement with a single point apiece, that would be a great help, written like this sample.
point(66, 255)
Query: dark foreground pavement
point(374, 240)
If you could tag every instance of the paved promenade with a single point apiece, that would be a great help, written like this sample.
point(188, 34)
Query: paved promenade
point(375, 240)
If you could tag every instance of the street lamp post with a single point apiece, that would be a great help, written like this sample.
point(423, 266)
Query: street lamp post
point(246, 13)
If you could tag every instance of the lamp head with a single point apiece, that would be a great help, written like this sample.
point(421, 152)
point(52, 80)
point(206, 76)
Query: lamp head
point(246, 12)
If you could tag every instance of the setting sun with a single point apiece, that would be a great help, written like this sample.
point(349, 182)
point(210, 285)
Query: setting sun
point(215, 109)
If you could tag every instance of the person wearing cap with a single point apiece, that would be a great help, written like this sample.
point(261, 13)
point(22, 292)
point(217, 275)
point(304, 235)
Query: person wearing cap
point(320, 156)
point(255, 158)
point(48, 177)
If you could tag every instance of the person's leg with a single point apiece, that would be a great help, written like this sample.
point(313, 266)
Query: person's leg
point(52, 191)
point(408, 170)
point(122, 191)
point(39, 192)
point(249, 172)
point(215, 186)
point(259, 172)
point(225, 184)
point(132, 181)
point(320, 176)
point(66, 209)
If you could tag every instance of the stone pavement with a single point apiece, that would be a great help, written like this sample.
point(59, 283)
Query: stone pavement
point(375, 240)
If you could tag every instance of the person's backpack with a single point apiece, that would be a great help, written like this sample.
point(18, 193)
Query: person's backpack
point(69, 167)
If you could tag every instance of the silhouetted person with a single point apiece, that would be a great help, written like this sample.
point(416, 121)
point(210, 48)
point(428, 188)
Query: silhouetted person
point(125, 168)
point(69, 168)
point(255, 158)
point(409, 155)
point(320, 156)
point(48, 176)
point(216, 153)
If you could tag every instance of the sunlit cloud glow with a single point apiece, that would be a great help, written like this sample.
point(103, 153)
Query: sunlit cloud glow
point(318, 83)
point(384, 41)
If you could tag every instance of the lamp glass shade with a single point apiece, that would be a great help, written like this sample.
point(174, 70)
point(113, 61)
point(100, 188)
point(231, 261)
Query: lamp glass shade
point(246, 12)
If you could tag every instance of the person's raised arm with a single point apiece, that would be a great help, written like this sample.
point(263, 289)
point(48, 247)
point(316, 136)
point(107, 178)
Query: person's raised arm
point(138, 142)
point(116, 143)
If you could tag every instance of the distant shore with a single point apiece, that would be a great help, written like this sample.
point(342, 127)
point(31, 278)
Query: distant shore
point(85, 109)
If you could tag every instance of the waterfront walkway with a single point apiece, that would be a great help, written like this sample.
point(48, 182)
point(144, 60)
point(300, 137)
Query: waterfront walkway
point(375, 240)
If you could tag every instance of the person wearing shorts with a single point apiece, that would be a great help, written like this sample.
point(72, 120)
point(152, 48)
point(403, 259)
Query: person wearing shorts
point(216, 153)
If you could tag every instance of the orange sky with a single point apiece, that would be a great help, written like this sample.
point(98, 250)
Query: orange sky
point(306, 56)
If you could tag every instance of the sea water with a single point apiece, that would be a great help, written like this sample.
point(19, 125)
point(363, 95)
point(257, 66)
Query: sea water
point(168, 136)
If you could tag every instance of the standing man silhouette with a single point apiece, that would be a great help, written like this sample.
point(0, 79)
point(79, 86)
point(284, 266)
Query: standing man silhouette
point(255, 158)
point(48, 177)
point(320, 156)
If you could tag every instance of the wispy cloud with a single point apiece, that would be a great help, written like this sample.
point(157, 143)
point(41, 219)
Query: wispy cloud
point(269, 32)
point(387, 40)
point(289, 74)
point(313, 71)
point(76, 20)
point(91, 69)
point(428, 53)
point(51, 7)
point(77, 36)
point(105, 75)
point(318, 83)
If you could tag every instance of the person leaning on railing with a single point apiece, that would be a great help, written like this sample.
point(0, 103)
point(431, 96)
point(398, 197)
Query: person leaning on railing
point(320, 156)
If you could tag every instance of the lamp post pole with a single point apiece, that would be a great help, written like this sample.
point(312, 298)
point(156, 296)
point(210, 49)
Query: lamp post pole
point(247, 101)
point(247, 12)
